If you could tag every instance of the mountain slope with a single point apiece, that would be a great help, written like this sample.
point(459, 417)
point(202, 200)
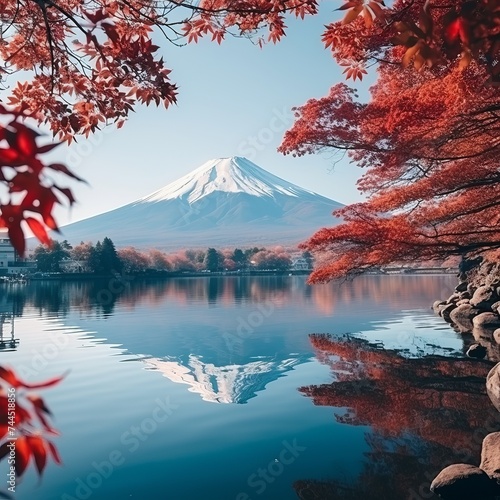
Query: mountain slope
point(227, 201)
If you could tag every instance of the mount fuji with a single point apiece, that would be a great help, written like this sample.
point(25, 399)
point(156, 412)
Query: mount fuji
point(224, 202)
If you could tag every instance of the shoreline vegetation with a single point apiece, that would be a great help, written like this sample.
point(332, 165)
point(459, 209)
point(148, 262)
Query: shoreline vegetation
point(87, 261)
point(153, 274)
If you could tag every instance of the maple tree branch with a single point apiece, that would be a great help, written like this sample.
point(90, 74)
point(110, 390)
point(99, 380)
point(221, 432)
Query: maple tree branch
point(237, 10)
point(65, 13)
point(42, 5)
point(157, 22)
point(469, 185)
point(13, 21)
point(477, 210)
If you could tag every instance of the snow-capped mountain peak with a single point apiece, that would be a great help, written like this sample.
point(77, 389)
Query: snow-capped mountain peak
point(229, 175)
point(224, 202)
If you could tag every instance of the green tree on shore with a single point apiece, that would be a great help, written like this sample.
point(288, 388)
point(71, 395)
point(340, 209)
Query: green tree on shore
point(48, 259)
point(212, 260)
point(104, 259)
point(239, 258)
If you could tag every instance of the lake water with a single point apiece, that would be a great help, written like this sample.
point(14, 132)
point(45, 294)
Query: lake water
point(238, 388)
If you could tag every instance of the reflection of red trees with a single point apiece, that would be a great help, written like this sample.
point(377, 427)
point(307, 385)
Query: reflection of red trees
point(410, 292)
point(394, 394)
point(433, 406)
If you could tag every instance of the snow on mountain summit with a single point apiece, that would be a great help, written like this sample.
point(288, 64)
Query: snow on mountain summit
point(230, 175)
point(223, 203)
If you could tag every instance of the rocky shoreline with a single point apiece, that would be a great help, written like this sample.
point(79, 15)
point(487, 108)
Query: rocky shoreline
point(474, 310)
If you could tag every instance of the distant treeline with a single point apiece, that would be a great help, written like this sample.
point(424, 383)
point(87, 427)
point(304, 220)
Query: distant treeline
point(104, 258)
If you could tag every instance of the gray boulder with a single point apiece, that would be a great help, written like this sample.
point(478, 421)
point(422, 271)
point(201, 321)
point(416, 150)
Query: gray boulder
point(437, 305)
point(490, 455)
point(493, 386)
point(445, 312)
point(462, 317)
point(484, 297)
point(486, 320)
point(463, 482)
point(453, 298)
point(461, 287)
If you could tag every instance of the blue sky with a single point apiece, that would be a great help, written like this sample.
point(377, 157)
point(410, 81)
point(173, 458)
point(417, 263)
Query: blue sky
point(234, 99)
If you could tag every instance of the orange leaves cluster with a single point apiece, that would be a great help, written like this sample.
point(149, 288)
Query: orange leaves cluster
point(92, 61)
point(31, 195)
point(421, 33)
point(326, 122)
point(25, 421)
point(368, 9)
point(216, 17)
point(353, 70)
point(197, 28)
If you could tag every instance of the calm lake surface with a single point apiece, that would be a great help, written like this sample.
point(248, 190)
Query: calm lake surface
point(238, 388)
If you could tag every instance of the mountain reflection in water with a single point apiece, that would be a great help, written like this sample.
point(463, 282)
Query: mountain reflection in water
point(223, 358)
point(236, 357)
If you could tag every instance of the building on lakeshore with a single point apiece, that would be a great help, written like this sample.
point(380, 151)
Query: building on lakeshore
point(300, 264)
point(73, 266)
point(10, 262)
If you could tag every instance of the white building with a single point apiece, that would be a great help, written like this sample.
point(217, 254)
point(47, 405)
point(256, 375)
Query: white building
point(7, 253)
point(73, 266)
point(10, 262)
point(300, 264)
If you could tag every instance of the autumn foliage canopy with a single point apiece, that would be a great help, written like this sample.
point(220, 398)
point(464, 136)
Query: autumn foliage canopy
point(89, 62)
point(429, 141)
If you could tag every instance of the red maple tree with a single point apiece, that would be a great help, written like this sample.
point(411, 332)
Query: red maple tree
point(429, 141)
